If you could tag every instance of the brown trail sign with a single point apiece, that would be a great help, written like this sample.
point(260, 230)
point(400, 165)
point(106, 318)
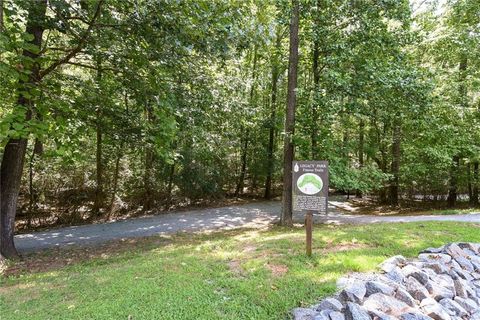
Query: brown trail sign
point(310, 192)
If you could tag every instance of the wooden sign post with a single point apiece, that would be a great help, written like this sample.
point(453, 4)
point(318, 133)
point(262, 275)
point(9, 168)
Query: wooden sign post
point(310, 193)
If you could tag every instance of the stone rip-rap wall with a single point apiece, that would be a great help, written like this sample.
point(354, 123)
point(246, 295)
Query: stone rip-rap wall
point(443, 284)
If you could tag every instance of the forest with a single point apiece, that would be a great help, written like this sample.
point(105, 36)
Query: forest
point(111, 108)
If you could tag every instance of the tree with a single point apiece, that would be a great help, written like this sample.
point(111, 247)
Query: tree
point(288, 145)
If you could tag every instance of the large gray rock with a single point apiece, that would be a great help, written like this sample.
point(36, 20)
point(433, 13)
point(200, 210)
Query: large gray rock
point(354, 312)
point(435, 257)
point(304, 314)
point(467, 304)
point(414, 316)
point(378, 315)
point(330, 304)
point(395, 275)
point(415, 288)
point(384, 303)
point(335, 315)
point(465, 264)
point(354, 293)
point(454, 251)
point(389, 264)
point(436, 267)
point(434, 310)
point(377, 287)
point(403, 295)
point(453, 308)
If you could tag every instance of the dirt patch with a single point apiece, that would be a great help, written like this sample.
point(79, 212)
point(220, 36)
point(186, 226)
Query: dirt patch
point(277, 270)
point(54, 259)
point(344, 247)
point(235, 267)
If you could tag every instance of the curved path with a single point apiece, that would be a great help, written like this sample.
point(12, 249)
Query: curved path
point(253, 215)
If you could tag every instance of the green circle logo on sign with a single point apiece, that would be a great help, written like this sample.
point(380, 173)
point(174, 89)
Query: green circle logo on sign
point(309, 183)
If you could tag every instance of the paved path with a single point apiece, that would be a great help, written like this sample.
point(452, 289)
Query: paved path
point(249, 215)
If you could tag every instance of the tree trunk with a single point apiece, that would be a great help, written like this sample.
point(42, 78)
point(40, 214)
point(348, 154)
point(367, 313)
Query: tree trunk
point(452, 190)
point(316, 82)
point(115, 180)
point(395, 167)
point(241, 180)
point(361, 138)
point(149, 156)
point(474, 199)
point(469, 183)
point(14, 152)
point(288, 146)
point(243, 171)
point(99, 195)
point(170, 185)
point(273, 115)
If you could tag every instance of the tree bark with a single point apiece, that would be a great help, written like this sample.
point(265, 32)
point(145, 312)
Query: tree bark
point(361, 138)
point(170, 185)
point(316, 82)
point(469, 183)
point(474, 199)
point(99, 194)
point(15, 149)
point(272, 120)
point(395, 167)
point(243, 170)
point(149, 156)
point(452, 190)
point(288, 144)
point(115, 180)
point(246, 136)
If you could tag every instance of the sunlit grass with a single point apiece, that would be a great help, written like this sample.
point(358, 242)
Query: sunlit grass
point(243, 274)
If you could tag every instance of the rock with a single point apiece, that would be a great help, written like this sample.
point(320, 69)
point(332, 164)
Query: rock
point(330, 304)
point(465, 264)
point(475, 316)
point(443, 284)
point(433, 250)
point(409, 269)
point(421, 276)
point(415, 288)
point(336, 316)
point(384, 303)
point(354, 293)
point(414, 316)
point(441, 289)
point(435, 257)
point(453, 307)
point(395, 275)
point(405, 297)
point(378, 315)
point(436, 267)
point(434, 310)
point(377, 287)
point(467, 304)
point(475, 247)
point(323, 315)
point(460, 288)
point(304, 314)
point(454, 251)
point(392, 262)
point(354, 312)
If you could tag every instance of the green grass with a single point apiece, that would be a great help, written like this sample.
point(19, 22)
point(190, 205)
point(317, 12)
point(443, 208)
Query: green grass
point(226, 275)
point(447, 212)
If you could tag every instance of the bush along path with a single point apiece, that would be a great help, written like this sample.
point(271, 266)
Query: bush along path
point(442, 284)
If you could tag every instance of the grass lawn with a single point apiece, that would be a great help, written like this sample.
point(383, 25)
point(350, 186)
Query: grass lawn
point(242, 274)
